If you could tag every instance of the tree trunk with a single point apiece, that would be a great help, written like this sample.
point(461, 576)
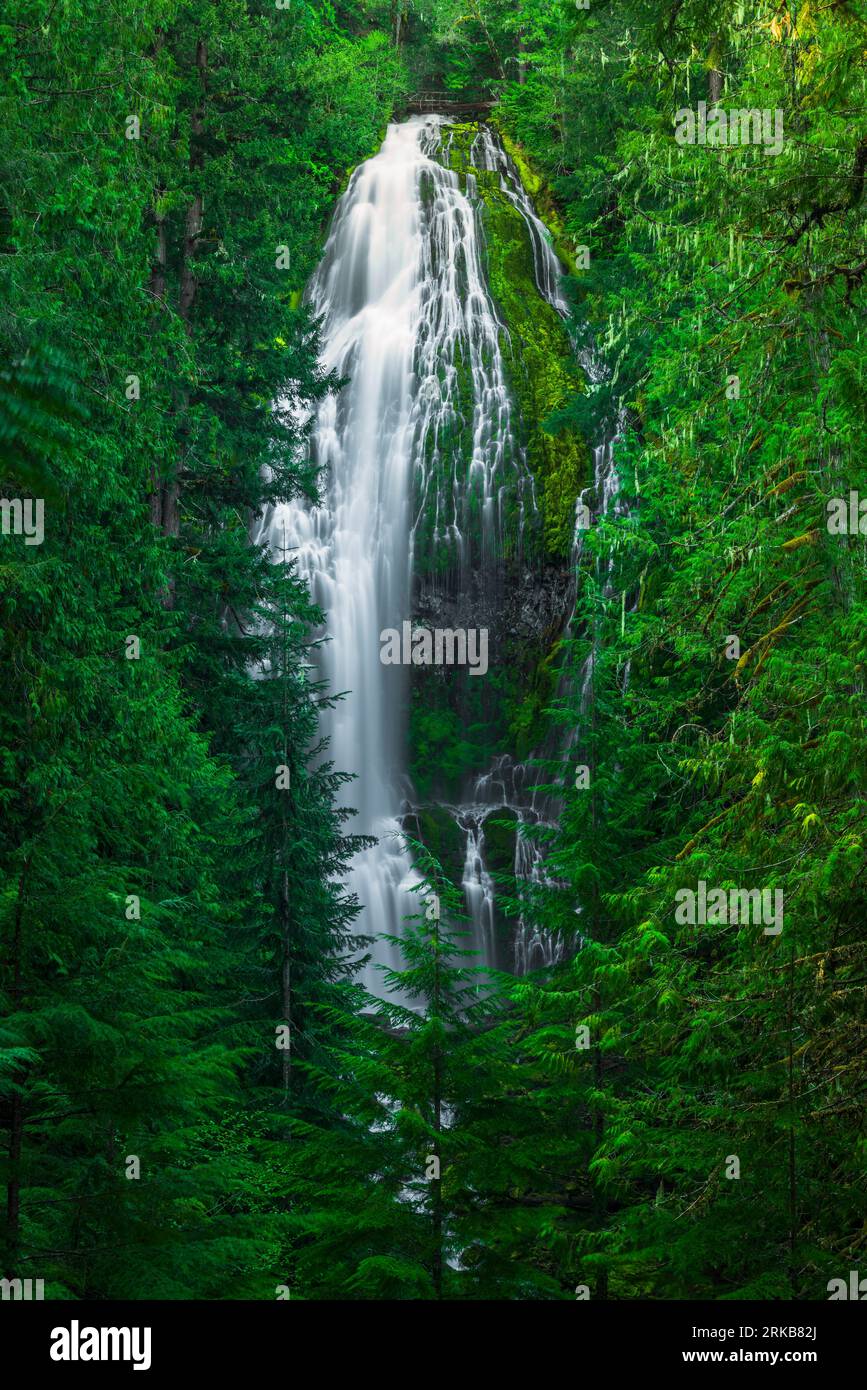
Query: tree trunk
point(476, 11)
point(399, 17)
point(285, 914)
point(793, 1170)
point(13, 1191)
point(286, 973)
point(600, 1201)
point(16, 1127)
point(189, 284)
point(192, 232)
point(157, 289)
point(522, 65)
point(437, 1263)
point(715, 73)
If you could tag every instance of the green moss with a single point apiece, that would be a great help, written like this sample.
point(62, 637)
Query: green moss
point(543, 372)
point(458, 725)
point(501, 831)
point(441, 751)
point(543, 198)
point(526, 715)
point(442, 837)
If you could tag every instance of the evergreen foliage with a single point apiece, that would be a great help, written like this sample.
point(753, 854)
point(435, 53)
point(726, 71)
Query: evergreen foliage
point(197, 1100)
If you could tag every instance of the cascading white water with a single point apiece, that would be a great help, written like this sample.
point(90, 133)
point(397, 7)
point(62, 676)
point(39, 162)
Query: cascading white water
point(405, 311)
point(514, 786)
point(487, 153)
point(511, 786)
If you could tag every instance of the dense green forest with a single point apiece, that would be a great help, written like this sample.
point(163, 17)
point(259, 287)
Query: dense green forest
point(198, 1097)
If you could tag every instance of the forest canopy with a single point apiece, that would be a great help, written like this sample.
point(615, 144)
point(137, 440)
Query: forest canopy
point(198, 1099)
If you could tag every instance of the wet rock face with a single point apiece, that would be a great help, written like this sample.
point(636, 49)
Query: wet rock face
point(520, 604)
point(437, 828)
point(494, 500)
point(493, 508)
point(461, 723)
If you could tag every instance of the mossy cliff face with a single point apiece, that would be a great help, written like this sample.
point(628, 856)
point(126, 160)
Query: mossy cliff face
point(458, 722)
point(543, 373)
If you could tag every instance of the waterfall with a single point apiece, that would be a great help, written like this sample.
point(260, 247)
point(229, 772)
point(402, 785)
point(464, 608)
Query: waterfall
point(487, 153)
point(515, 786)
point(406, 317)
point(511, 786)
